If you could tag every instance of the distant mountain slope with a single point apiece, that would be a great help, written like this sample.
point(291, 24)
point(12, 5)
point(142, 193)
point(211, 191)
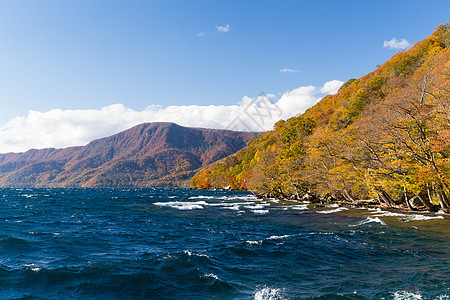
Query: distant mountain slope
point(383, 139)
point(150, 154)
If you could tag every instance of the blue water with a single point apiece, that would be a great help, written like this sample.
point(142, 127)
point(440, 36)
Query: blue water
point(182, 244)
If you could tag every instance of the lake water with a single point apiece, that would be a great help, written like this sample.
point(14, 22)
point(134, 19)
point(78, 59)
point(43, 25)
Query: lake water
point(157, 243)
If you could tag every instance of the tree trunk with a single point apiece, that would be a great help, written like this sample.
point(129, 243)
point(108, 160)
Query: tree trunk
point(429, 194)
point(406, 199)
point(442, 201)
point(386, 198)
point(429, 205)
point(347, 196)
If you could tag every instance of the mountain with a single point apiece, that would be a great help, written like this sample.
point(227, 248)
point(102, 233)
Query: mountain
point(150, 154)
point(382, 140)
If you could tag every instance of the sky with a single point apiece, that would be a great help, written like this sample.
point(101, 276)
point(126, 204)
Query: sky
point(75, 70)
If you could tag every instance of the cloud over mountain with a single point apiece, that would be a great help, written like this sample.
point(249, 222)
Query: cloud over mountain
point(62, 128)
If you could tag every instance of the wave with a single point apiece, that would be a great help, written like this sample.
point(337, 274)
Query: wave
point(406, 217)
point(254, 242)
point(201, 197)
point(12, 244)
point(267, 293)
point(257, 206)
point(260, 211)
point(331, 211)
point(299, 207)
point(278, 237)
point(370, 220)
point(404, 295)
point(182, 205)
point(211, 275)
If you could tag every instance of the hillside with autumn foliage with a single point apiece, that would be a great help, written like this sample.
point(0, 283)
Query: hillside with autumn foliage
point(382, 140)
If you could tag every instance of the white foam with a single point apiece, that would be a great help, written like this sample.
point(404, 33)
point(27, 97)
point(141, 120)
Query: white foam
point(234, 207)
point(33, 268)
point(404, 295)
point(246, 198)
point(382, 213)
point(406, 217)
point(371, 220)
point(260, 211)
point(201, 197)
point(189, 253)
point(182, 205)
point(267, 293)
point(278, 237)
point(256, 206)
point(333, 210)
point(422, 217)
point(254, 242)
point(211, 275)
point(299, 207)
point(228, 204)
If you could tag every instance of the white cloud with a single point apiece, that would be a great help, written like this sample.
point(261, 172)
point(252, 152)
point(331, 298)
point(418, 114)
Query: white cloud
point(396, 44)
point(223, 28)
point(287, 70)
point(200, 33)
point(63, 128)
point(331, 87)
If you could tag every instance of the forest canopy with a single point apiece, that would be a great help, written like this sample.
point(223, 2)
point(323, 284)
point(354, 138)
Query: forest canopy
point(383, 139)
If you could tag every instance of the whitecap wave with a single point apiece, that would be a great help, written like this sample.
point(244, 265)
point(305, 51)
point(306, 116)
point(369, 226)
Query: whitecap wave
point(278, 237)
point(254, 242)
point(232, 207)
point(189, 253)
point(406, 217)
point(331, 211)
point(404, 295)
point(260, 211)
point(370, 220)
point(182, 205)
point(422, 218)
point(299, 206)
point(257, 206)
point(267, 293)
point(201, 197)
point(211, 275)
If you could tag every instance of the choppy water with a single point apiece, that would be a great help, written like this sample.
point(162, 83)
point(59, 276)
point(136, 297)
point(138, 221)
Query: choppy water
point(182, 244)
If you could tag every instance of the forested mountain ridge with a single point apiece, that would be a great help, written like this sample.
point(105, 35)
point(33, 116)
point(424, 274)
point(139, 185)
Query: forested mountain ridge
point(383, 139)
point(150, 154)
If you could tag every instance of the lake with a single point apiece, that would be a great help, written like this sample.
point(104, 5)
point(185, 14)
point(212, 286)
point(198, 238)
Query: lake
point(173, 243)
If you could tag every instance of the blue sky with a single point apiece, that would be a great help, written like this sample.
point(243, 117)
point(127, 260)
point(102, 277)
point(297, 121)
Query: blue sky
point(90, 54)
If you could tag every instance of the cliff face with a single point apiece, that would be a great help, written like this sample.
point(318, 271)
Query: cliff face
point(151, 154)
point(384, 137)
